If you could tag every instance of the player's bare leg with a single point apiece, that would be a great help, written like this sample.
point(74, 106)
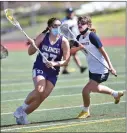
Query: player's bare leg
point(93, 86)
point(32, 101)
point(34, 98)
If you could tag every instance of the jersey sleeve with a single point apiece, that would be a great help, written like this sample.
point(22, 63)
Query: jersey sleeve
point(94, 39)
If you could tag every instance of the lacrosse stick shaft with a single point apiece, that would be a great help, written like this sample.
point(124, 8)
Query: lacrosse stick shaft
point(10, 17)
point(96, 58)
point(65, 31)
point(36, 47)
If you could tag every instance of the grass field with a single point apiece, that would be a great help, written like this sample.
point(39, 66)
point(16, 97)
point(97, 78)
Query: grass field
point(58, 112)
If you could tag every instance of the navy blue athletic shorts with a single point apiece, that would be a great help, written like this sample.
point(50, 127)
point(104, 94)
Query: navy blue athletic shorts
point(99, 78)
point(52, 79)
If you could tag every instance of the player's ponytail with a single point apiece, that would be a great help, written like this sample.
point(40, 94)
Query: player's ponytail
point(46, 30)
point(92, 29)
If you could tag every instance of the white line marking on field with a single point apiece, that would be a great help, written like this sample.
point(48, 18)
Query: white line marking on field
point(57, 96)
point(28, 77)
point(30, 82)
point(64, 87)
point(64, 123)
point(59, 81)
point(49, 97)
point(28, 70)
point(74, 123)
point(39, 110)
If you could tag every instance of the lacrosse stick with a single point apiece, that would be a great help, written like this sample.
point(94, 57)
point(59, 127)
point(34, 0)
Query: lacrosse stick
point(65, 31)
point(11, 18)
point(3, 52)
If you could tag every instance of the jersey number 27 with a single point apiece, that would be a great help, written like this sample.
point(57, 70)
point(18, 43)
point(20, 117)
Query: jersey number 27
point(47, 55)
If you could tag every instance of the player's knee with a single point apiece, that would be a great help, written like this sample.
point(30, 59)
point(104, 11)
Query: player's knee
point(40, 88)
point(86, 90)
point(99, 89)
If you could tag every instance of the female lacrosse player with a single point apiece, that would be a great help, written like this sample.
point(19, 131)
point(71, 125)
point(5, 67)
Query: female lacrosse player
point(97, 72)
point(53, 46)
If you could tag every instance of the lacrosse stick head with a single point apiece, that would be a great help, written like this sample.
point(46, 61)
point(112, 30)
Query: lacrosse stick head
point(66, 32)
point(9, 15)
point(3, 52)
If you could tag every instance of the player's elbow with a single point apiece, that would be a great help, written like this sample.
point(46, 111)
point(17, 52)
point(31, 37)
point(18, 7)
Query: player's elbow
point(30, 52)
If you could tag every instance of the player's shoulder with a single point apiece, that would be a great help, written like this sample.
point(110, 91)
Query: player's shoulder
point(65, 42)
point(41, 37)
point(42, 34)
point(64, 39)
point(93, 35)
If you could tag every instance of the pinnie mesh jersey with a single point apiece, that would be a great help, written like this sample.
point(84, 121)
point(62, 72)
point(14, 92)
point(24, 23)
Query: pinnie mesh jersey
point(51, 52)
point(92, 43)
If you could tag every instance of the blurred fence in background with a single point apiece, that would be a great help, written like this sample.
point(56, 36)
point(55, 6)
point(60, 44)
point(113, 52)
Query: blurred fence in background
point(32, 13)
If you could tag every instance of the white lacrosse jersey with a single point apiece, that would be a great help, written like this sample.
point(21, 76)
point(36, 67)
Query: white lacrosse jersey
point(91, 42)
point(72, 23)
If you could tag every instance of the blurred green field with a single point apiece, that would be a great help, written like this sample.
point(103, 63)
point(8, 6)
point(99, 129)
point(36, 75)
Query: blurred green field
point(59, 110)
point(107, 25)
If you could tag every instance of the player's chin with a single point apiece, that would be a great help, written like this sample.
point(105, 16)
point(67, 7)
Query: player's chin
point(80, 29)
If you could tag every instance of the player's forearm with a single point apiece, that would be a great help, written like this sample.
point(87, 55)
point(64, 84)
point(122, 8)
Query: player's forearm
point(75, 49)
point(108, 60)
point(62, 63)
point(105, 55)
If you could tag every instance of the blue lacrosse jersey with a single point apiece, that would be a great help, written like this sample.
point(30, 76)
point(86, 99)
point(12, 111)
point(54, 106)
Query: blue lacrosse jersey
point(52, 53)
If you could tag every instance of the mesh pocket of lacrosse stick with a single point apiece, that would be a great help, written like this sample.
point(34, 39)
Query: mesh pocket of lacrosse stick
point(3, 52)
point(11, 18)
point(66, 32)
point(9, 15)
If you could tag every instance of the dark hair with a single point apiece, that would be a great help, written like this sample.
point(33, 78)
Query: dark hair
point(49, 23)
point(87, 20)
point(45, 30)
